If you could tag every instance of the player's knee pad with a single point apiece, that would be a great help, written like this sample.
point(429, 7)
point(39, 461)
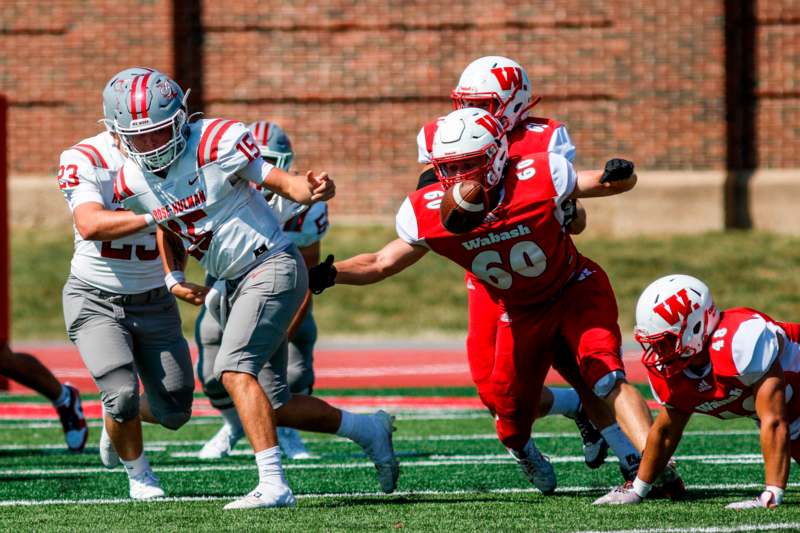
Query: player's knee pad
point(216, 393)
point(176, 411)
point(606, 384)
point(121, 403)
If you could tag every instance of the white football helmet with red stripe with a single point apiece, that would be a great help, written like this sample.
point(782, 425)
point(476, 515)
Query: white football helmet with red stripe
point(145, 104)
point(497, 84)
point(273, 142)
point(469, 144)
point(675, 316)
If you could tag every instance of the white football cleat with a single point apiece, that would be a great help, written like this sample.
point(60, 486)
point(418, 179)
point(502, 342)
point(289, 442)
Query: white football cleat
point(381, 451)
point(221, 444)
point(292, 444)
point(766, 500)
point(536, 467)
point(108, 455)
point(145, 486)
point(622, 495)
point(264, 496)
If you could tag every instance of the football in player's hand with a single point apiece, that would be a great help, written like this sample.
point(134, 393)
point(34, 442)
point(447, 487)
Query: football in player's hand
point(464, 206)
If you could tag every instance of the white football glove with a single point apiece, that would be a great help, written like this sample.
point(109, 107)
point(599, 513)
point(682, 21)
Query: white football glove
point(767, 499)
point(622, 495)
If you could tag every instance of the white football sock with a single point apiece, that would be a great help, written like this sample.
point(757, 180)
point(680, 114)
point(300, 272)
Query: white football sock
point(270, 471)
point(565, 402)
point(232, 420)
point(355, 427)
point(63, 398)
point(137, 467)
point(621, 445)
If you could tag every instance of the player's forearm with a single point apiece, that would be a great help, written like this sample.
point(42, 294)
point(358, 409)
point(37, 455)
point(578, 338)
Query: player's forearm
point(662, 441)
point(291, 186)
point(775, 448)
point(105, 225)
point(362, 269)
point(170, 247)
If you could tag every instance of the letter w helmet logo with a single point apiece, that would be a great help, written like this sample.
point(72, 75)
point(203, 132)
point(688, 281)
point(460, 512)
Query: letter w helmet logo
point(508, 77)
point(491, 125)
point(676, 308)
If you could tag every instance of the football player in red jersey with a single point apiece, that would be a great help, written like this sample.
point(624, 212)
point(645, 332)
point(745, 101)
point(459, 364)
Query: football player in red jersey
point(550, 295)
point(501, 86)
point(729, 364)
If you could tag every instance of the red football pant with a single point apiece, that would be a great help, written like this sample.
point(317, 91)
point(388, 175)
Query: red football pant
point(511, 349)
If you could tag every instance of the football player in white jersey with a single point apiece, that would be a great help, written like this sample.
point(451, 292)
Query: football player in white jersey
point(24, 368)
point(117, 309)
point(305, 226)
point(194, 180)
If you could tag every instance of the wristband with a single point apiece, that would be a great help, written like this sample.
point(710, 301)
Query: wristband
point(777, 492)
point(148, 218)
point(173, 278)
point(641, 488)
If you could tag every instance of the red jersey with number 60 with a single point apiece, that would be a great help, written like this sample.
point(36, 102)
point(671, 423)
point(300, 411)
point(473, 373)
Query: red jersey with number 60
point(742, 349)
point(520, 252)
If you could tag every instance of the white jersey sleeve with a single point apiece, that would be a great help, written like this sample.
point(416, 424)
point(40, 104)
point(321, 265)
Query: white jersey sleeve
point(564, 177)
point(423, 155)
point(309, 227)
point(754, 348)
point(561, 143)
point(79, 179)
point(406, 224)
point(231, 146)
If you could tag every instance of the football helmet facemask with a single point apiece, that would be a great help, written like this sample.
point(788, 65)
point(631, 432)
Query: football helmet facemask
point(145, 107)
point(275, 146)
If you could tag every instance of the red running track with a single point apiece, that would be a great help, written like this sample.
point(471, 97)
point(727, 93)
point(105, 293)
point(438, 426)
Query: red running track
point(335, 368)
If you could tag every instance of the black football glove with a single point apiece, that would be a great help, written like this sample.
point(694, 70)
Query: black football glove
point(570, 211)
point(322, 276)
point(617, 170)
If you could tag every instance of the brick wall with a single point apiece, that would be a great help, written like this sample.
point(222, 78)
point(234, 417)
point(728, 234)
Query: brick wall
point(352, 81)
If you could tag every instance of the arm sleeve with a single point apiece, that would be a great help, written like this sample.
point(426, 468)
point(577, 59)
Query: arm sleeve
point(239, 155)
point(561, 143)
point(406, 225)
point(564, 177)
point(423, 155)
point(255, 171)
point(755, 348)
point(78, 180)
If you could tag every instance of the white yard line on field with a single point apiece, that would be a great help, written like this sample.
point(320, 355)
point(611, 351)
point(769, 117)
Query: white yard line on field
point(571, 490)
point(714, 529)
point(161, 445)
point(431, 461)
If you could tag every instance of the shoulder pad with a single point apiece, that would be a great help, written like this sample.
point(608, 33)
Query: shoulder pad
point(226, 142)
point(743, 347)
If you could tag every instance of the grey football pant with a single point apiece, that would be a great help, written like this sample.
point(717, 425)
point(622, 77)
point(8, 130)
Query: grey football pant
point(124, 338)
point(261, 306)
